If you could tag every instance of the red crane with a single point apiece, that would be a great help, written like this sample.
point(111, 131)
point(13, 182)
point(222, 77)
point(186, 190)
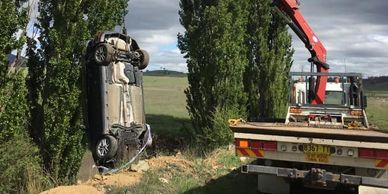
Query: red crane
point(296, 21)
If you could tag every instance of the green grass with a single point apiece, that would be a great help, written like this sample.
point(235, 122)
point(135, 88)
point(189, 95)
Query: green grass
point(377, 112)
point(165, 95)
point(165, 104)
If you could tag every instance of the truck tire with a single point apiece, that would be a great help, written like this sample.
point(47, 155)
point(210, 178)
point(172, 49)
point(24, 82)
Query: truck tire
point(103, 54)
point(106, 147)
point(144, 58)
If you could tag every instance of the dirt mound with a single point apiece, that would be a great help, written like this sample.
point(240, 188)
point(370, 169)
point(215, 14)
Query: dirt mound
point(98, 183)
point(120, 179)
point(84, 189)
point(171, 161)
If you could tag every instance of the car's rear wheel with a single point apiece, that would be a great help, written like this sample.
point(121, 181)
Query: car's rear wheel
point(103, 54)
point(144, 58)
point(106, 147)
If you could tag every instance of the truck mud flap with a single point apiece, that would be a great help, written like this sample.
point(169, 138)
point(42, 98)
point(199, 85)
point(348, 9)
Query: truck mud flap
point(316, 176)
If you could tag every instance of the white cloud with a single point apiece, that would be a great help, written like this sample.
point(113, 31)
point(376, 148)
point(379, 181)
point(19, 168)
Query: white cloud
point(155, 25)
point(355, 34)
point(161, 44)
point(380, 38)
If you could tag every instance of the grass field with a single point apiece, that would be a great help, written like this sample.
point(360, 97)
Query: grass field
point(165, 104)
point(377, 112)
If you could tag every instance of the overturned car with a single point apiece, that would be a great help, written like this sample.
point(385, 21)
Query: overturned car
point(114, 102)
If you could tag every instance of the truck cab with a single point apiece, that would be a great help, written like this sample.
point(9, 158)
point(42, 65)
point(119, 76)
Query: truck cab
point(343, 107)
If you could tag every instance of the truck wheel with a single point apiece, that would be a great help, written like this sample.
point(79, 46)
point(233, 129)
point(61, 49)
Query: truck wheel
point(103, 54)
point(106, 147)
point(144, 58)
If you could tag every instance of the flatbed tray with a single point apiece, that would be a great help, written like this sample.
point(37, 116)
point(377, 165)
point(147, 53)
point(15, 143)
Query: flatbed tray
point(364, 135)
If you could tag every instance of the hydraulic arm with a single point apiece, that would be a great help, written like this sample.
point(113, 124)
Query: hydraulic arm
point(290, 10)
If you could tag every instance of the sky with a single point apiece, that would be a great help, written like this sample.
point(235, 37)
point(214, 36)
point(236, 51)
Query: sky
point(355, 34)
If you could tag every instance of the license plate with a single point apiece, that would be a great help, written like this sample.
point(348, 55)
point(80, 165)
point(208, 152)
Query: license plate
point(316, 153)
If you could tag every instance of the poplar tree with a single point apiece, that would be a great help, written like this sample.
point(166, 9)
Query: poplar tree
point(19, 159)
point(13, 107)
point(55, 64)
point(270, 60)
point(216, 57)
point(226, 42)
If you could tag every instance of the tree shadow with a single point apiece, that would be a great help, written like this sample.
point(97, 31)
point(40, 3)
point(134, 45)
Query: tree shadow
point(167, 125)
point(169, 133)
point(234, 182)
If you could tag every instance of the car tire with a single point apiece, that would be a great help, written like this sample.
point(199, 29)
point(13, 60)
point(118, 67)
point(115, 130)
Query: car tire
point(106, 147)
point(103, 54)
point(144, 58)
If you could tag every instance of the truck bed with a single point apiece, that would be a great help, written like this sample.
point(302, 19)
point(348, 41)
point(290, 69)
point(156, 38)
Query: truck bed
point(311, 132)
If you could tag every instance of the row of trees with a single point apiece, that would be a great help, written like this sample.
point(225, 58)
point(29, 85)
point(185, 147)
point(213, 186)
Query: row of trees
point(239, 55)
point(40, 108)
point(19, 164)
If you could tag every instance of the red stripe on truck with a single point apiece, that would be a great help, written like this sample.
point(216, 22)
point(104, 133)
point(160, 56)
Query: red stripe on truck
point(250, 152)
point(382, 163)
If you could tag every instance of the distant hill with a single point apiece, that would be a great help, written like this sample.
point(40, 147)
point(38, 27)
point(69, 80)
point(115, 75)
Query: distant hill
point(376, 83)
point(165, 73)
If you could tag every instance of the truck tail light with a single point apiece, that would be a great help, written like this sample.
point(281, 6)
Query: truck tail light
point(373, 153)
point(253, 144)
point(356, 113)
point(295, 110)
point(242, 143)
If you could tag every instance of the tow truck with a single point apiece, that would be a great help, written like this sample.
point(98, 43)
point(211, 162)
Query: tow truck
point(325, 141)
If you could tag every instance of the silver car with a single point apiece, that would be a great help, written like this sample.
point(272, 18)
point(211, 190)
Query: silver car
point(114, 102)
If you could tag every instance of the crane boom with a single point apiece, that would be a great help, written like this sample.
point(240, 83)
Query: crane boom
point(296, 21)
